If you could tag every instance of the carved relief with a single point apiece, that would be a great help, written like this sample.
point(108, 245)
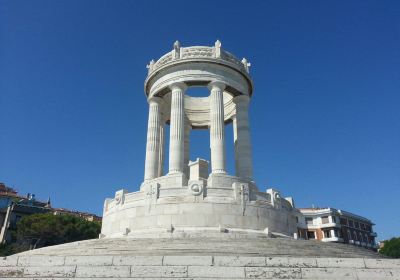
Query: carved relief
point(242, 195)
point(275, 198)
point(120, 197)
point(152, 194)
point(107, 206)
point(198, 52)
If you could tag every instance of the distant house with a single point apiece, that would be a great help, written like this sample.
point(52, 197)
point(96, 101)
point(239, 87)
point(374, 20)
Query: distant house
point(333, 225)
point(13, 207)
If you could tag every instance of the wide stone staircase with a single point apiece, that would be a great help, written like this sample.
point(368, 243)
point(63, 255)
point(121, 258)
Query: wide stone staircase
point(199, 258)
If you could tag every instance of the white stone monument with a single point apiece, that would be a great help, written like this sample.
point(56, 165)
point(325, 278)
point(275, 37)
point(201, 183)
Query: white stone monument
point(187, 223)
point(187, 199)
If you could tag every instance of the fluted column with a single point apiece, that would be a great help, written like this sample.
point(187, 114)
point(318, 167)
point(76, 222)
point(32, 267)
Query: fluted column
point(243, 153)
point(217, 127)
point(186, 157)
point(234, 126)
point(177, 128)
point(153, 139)
point(162, 147)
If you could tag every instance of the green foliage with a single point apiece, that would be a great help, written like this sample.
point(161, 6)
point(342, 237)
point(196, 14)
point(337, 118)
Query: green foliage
point(10, 249)
point(391, 248)
point(49, 229)
point(6, 250)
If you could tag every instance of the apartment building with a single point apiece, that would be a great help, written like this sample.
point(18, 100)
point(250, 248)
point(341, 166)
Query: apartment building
point(333, 225)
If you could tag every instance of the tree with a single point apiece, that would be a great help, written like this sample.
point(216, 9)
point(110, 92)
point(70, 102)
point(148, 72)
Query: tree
point(391, 248)
point(49, 229)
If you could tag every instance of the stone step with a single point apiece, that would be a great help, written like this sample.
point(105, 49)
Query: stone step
point(195, 267)
point(214, 246)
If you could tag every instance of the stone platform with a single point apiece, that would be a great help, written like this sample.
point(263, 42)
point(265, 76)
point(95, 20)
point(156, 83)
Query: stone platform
point(199, 258)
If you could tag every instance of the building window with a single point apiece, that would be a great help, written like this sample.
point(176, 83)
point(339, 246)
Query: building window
point(297, 219)
point(363, 226)
point(325, 220)
point(343, 221)
point(310, 234)
point(351, 223)
point(327, 233)
point(309, 221)
point(333, 219)
point(349, 235)
point(354, 236)
point(357, 225)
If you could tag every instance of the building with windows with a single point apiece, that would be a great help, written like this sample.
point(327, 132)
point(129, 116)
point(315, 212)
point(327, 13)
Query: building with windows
point(333, 225)
point(13, 207)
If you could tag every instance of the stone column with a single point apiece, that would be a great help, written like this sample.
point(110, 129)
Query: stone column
point(153, 139)
point(243, 154)
point(234, 126)
point(162, 147)
point(217, 127)
point(177, 128)
point(186, 157)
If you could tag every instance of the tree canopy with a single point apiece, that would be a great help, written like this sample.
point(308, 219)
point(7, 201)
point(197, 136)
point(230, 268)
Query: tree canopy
point(49, 229)
point(391, 248)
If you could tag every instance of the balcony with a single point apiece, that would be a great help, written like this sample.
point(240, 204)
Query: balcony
point(332, 239)
point(327, 225)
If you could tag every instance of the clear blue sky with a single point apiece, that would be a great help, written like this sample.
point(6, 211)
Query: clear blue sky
point(325, 114)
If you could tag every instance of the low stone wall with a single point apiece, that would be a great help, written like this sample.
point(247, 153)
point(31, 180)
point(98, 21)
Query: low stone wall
point(195, 267)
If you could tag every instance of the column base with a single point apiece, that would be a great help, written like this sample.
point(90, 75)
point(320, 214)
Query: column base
point(219, 171)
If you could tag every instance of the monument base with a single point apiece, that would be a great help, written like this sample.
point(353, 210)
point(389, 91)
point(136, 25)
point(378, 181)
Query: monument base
point(199, 258)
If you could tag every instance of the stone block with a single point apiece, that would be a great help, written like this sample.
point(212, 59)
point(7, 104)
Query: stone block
point(138, 260)
point(239, 261)
point(278, 261)
point(49, 271)
point(11, 271)
point(377, 273)
point(85, 260)
point(188, 260)
point(302, 262)
point(216, 272)
point(102, 271)
point(341, 262)
point(272, 272)
point(8, 261)
point(40, 261)
point(382, 263)
point(174, 271)
point(328, 273)
point(159, 271)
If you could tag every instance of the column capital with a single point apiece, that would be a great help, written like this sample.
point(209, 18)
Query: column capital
point(155, 99)
point(178, 85)
point(216, 85)
point(241, 99)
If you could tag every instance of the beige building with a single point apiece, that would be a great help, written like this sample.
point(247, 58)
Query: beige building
point(333, 225)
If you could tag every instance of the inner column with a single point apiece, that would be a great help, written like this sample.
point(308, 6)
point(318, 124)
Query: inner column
point(243, 155)
point(217, 127)
point(177, 129)
point(186, 157)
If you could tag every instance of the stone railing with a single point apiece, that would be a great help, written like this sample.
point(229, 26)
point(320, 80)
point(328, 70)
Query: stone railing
point(180, 53)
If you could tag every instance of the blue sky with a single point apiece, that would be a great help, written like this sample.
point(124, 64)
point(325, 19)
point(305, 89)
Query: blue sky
point(325, 116)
